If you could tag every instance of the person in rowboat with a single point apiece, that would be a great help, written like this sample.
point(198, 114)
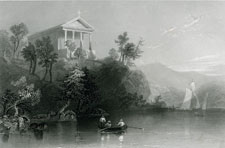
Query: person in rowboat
point(102, 121)
point(108, 124)
point(121, 123)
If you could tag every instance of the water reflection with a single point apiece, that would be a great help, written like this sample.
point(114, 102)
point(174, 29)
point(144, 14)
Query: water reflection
point(38, 134)
point(108, 139)
point(5, 131)
point(173, 130)
point(5, 137)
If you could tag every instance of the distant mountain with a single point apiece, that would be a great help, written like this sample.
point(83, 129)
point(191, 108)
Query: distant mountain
point(214, 92)
point(171, 84)
point(160, 74)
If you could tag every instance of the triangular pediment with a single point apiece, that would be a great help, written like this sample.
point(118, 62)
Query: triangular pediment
point(78, 24)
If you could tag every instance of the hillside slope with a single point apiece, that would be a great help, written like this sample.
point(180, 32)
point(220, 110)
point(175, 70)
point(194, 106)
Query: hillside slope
point(171, 84)
point(10, 72)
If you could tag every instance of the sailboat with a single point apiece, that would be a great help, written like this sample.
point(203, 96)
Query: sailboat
point(191, 101)
point(187, 100)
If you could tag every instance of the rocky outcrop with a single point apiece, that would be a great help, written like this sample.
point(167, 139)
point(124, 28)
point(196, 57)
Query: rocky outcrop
point(135, 82)
point(171, 96)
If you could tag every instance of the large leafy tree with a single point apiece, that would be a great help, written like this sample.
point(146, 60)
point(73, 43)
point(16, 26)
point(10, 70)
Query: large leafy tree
point(90, 93)
point(80, 53)
point(128, 50)
point(25, 95)
point(5, 46)
point(47, 56)
point(19, 31)
point(113, 54)
point(71, 45)
point(121, 41)
point(72, 87)
point(7, 100)
point(30, 55)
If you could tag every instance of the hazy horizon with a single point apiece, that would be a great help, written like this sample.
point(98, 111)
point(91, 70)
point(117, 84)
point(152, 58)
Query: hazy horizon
point(185, 36)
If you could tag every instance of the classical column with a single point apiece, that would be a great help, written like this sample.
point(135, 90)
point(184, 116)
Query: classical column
point(81, 40)
point(90, 48)
point(68, 52)
point(65, 31)
point(73, 35)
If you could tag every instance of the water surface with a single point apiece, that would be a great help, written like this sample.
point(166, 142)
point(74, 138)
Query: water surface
point(161, 130)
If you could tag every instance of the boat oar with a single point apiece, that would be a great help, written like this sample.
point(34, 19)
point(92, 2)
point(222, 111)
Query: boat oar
point(135, 127)
point(103, 129)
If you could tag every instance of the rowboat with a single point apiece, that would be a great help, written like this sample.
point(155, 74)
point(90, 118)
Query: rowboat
point(115, 129)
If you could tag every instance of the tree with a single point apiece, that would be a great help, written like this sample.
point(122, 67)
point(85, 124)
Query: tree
point(6, 100)
point(5, 46)
point(71, 45)
point(25, 94)
point(80, 53)
point(30, 55)
point(53, 59)
point(90, 93)
point(72, 87)
point(46, 55)
point(128, 50)
point(121, 41)
point(113, 53)
point(18, 31)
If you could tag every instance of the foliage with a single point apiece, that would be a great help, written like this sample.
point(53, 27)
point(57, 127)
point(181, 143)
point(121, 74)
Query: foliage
point(24, 95)
point(131, 100)
point(159, 102)
point(72, 87)
point(113, 53)
point(18, 31)
point(71, 45)
point(29, 54)
point(121, 41)
point(7, 100)
point(5, 46)
point(128, 51)
point(90, 93)
point(80, 53)
point(110, 80)
point(79, 91)
point(47, 56)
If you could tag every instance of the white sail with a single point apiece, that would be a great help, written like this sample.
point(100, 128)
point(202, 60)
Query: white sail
point(197, 104)
point(192, 86)
point(187, 100)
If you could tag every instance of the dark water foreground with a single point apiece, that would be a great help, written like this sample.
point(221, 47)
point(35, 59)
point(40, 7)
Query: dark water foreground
point(161, 130)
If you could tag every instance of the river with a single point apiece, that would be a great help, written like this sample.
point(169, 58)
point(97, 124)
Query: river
point(161, 130)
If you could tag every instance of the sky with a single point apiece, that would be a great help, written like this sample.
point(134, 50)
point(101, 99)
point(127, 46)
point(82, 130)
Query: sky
point(185, 36)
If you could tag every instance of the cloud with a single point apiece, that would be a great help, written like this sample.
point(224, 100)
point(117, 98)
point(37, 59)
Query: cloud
point(155, 46)
point(172, 29)
point(182, 28)
point(195, 21)
point(212, 65)
point(205, 58)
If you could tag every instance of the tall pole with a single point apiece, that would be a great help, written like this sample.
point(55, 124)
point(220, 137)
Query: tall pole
point(65, 31)
point(73, 35)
